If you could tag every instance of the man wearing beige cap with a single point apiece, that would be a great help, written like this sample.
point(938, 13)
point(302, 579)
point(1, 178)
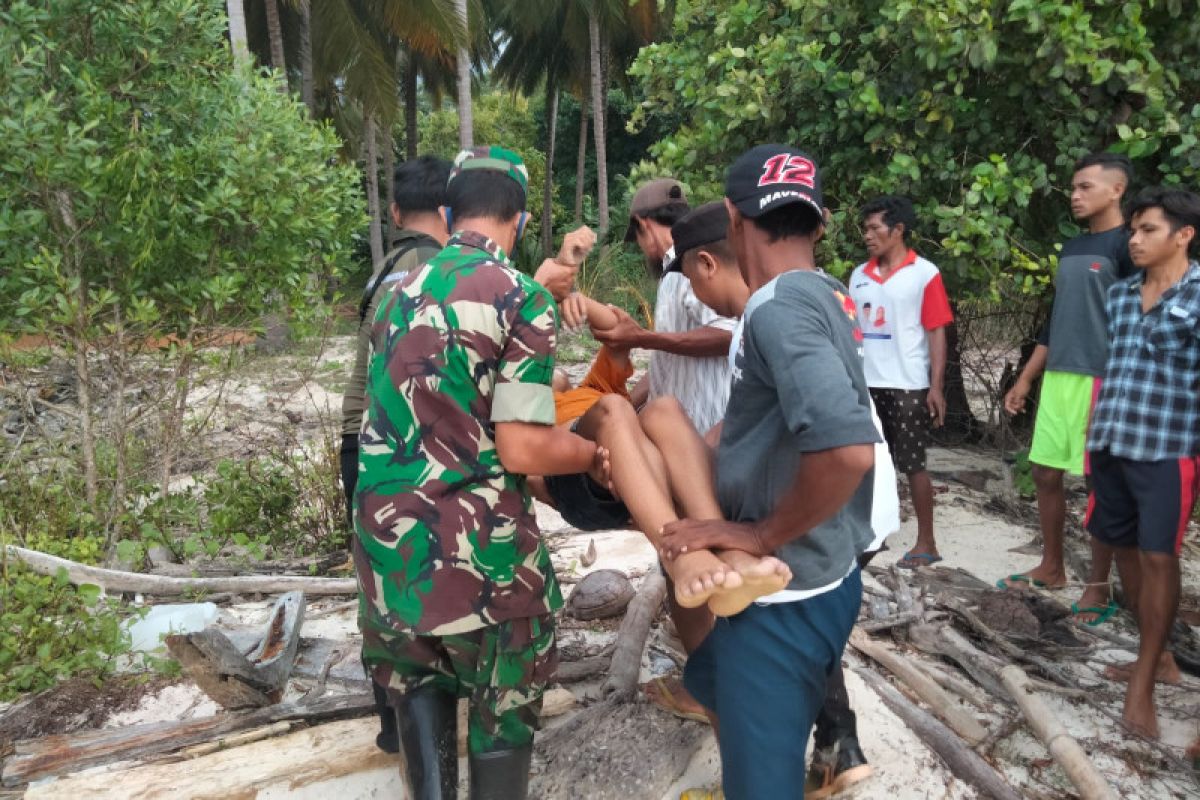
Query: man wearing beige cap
point(690, 341)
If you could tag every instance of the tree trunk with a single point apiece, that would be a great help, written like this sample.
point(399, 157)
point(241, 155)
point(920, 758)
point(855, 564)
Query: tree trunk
point(275, 32)
point(581, 161)
point(961, 426)
point(307, 91)
point(371, 169)
point(598, 132)
point(410, 108)
point(236, 10)
point(389, 181)
point(466, 123)
point(548, 185)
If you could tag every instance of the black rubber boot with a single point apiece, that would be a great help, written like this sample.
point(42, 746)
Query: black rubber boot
point(388, 738)
point(501, 774)
point(427, 718)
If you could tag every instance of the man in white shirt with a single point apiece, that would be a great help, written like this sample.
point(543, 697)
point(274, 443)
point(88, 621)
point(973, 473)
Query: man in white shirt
point(903, 310)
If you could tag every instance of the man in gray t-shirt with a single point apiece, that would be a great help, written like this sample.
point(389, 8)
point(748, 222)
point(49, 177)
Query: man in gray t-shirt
point(794, 479)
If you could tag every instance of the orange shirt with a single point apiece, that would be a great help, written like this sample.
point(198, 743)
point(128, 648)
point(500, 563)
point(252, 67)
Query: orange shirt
point(605, 377)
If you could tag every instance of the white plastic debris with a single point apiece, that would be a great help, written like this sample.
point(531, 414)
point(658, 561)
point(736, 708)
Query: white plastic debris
point(147, 633)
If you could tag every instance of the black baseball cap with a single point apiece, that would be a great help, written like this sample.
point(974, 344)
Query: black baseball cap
point(704, 225)
point(650, 197)
point(769, 176)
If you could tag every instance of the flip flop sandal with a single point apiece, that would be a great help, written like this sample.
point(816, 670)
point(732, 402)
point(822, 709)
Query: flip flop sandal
point(1103, 613)
point(659, 693)
point(1004, 583)
point(702, 794)
point(914, 558)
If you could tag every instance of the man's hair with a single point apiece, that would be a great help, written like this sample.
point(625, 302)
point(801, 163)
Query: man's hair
point(1179, 206)
point(721, 250)
point(1108, 161)
point(667, 215)
point(788, 221)
point(896, 210)
point(420, 184)
point(484, 193)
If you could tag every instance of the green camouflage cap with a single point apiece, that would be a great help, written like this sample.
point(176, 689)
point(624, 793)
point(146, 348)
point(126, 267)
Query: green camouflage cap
point(496, 158)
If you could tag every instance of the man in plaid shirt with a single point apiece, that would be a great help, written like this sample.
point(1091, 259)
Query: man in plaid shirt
point(1145, 435)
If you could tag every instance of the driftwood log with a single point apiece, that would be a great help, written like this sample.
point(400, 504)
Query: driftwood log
point(237, 678)
point(116, 581)
point(964, 762)
point(57, 755)
point(1066, 751)
point(631, 638)
point(943, 640)
point(943, 705)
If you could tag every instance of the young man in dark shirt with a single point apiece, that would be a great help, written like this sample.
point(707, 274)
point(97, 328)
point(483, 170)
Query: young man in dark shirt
point(1071, 351)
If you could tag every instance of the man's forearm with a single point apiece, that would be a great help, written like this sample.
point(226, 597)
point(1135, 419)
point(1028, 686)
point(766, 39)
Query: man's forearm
point(937, 359)
point(698, 343)
point(1036, 364)
point(825, 482)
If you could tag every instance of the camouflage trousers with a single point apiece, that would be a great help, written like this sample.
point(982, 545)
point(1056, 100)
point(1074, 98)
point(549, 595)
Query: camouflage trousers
point(502, 669)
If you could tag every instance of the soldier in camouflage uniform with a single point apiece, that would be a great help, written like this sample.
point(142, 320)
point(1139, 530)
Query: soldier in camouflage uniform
point(457, 592)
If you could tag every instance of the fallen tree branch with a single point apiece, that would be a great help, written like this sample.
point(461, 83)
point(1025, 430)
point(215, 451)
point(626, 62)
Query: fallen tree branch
point(631, 638)
point(57, 755)
point(1066, 751)
point(889, 622)
point(964, 762)
point(116, 581)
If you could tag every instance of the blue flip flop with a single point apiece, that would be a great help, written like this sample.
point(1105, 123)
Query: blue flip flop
point(1103, 613)
point(928, 558)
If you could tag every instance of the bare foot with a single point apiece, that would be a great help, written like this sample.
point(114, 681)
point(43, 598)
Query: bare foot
point(760, 577)
point(1139, 718)
point(698, 575)
point(1166, 672)
point(1093, 597)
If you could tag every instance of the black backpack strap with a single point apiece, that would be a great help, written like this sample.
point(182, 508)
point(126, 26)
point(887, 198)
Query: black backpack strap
point(394, 258)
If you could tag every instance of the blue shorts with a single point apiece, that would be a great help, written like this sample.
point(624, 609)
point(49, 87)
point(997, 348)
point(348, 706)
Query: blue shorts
point(763, 673)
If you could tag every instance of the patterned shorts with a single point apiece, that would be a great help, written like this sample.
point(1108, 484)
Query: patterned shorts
point(503, 669)
point(905, 419)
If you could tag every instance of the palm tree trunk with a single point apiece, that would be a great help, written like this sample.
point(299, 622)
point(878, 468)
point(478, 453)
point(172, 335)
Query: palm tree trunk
point(275, 32)
point(371, 168)
point(581, 161)
point(466, 123)
point(236, 10)
point(389, 177)
point(598, 124)
point(410, 108)
point(548, 186)
point(307, 93)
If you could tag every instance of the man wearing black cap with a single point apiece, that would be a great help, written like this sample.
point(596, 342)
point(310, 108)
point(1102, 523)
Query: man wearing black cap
point(794, 480)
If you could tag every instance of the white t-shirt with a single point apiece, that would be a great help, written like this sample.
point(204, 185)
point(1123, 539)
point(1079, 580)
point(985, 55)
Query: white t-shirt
point(701, 385)
point(895, 314)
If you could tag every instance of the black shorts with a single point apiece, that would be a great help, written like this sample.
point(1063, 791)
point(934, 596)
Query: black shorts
point(905, 419)
point(585, 504)
point(1142, 504)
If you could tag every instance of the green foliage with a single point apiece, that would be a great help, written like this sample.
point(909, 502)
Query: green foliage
point(145, 182)
point(976, 109)
point(1022, 475)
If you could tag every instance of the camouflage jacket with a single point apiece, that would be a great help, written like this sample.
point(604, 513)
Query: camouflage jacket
point(446, 540)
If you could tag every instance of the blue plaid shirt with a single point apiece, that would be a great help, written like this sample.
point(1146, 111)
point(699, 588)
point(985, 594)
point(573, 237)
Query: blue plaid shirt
point(1149, 404)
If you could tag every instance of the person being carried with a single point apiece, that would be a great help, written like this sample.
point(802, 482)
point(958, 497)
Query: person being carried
point(456, 590)
point(660, 466)
point(1144, 441)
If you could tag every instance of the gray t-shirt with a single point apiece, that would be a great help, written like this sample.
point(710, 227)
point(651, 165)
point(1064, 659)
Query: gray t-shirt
point(1077, 333)
point(797, 388)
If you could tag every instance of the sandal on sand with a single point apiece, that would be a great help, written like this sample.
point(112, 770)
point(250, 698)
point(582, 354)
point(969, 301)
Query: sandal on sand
point(702, 794)
point(914, 560)
point(1103, 613)
point(1005, 583)
point(670, 695)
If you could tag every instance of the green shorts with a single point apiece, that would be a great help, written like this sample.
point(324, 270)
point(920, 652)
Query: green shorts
point(1060, 430)
point(502, 669)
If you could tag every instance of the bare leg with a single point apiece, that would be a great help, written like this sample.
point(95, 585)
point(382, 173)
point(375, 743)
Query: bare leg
point(1096, 594)
point(922, 497)
point(1052, 514)
point(639, 478)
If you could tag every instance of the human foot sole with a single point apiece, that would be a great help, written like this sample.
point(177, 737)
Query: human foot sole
point(764, 576)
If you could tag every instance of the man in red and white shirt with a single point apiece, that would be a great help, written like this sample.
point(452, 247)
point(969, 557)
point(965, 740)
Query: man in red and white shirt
point(903, 312)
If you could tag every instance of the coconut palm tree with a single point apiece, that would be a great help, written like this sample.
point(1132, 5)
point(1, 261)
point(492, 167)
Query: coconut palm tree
point(236, 11)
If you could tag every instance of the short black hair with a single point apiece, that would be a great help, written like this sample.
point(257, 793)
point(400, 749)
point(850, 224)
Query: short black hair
point(669, 214)
point(1179, 206)
point(486, 193)
point(1106, 160)
point(788, 221)
point(420, 184)
point(721, 249)
point(896, 210)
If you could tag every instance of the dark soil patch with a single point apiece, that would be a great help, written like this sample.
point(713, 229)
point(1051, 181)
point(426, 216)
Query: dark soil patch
point(74, 705)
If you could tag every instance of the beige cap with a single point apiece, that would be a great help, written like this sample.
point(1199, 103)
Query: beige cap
point(650, 197)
